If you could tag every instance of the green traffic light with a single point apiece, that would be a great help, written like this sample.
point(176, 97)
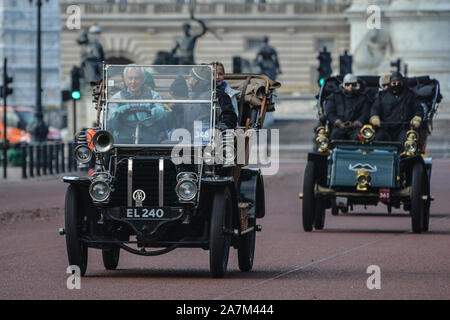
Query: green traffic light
point(76, 95)
point(321, 81)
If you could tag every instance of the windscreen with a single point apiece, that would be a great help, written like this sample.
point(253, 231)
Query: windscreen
point(155, 105)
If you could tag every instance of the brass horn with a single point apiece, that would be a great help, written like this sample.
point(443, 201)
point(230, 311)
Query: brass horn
point(102, 141)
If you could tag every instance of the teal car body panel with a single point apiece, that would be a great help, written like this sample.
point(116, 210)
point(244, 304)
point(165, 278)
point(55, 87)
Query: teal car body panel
point(382, 161)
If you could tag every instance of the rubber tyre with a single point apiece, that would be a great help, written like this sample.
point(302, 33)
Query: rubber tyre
point(219, 242)
point(417, 210)
point(334, 208)
point(77, 251)
point(309, 202)
point(111, 257)
point(246, 250)
point(319, 217)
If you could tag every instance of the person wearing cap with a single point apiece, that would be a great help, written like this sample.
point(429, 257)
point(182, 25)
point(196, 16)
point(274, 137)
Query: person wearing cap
point(200, 82)
point(399, 106)
point(347, 109)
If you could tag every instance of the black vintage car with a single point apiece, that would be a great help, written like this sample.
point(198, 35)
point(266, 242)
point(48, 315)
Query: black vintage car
point(341, 174)
point(160, 176)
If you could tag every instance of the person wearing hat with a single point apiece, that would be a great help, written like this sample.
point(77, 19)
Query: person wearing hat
point(399, 106)
point(200, 82)
point(347, 109)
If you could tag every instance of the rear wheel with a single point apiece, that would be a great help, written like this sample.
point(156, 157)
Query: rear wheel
point(319, 219)
point(334, 207)
point(246, 250)
point(417, 210)
point(219, 241)
point(111, 257)
point(77, 250)
point(309, 202)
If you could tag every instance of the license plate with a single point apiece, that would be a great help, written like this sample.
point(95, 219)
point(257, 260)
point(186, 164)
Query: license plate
point(384, 195)
point(151, 213)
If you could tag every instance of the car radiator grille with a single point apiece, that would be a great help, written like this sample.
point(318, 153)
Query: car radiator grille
point(145, 177)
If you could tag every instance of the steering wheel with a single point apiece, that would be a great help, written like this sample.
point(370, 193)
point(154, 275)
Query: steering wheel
point(131, 116)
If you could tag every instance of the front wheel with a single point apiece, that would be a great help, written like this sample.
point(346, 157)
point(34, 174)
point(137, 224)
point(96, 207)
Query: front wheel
point(77, 250)
point(417, 210)
point(111, 257)
point(219, 241)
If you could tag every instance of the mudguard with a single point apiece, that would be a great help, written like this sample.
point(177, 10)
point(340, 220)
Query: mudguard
point(251, 189)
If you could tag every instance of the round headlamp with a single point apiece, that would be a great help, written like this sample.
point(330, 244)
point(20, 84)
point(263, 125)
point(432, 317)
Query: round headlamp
point(228, 153)
point(83, 154)
point(322, 143)
point(367, 132)
point(410, 146)
point(99, 190)
point(186, 190)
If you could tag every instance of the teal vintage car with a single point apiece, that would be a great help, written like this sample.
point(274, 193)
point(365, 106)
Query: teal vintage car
point(341, 174)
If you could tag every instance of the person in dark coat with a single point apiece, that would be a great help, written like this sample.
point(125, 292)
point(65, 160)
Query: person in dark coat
point(347, 110)
point(399, 106)
point(199, 82)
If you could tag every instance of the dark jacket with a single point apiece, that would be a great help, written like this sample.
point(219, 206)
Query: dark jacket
point(225, 116)
point(397, 109)
point(347, 108)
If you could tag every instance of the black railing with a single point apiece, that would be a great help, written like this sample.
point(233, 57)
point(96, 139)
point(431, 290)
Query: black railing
point(47, 159)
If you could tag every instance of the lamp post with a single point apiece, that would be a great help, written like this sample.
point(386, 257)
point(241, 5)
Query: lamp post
point(38, 127)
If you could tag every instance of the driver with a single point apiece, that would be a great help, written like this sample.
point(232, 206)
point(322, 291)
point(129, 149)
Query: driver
point(347, 109)
point(144, 114)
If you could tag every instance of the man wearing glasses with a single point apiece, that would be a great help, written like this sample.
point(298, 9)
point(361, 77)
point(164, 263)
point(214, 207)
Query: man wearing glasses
point(347, 109)
point(397, 108)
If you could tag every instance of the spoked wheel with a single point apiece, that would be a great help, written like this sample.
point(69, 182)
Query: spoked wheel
point(219, 241)
point(417, 210)
point(309, 202)
point(111, 257)
point(77, 250)
point(319, 219)
point(246, 250)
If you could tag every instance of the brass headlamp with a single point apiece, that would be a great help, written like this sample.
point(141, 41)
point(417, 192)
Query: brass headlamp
point(322, 140)
point(362, 180)
point(367, 132)
point(410, 144)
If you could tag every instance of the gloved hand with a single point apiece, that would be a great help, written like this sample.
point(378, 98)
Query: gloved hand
point(357, 124)
point(157, 113)
point(415, 122)
point(375, 121)
point(339, 124)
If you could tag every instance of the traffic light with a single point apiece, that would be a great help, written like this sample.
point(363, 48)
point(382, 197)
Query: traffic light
point(345, 64)
point(4, 89)
point(75, 75)
point(324, 66)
